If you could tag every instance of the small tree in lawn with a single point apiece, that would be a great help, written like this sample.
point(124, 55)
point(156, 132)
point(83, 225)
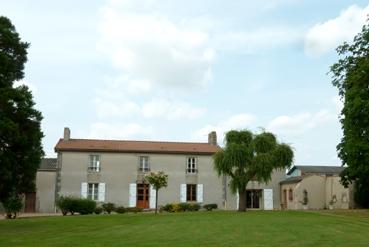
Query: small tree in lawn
point(157, 180)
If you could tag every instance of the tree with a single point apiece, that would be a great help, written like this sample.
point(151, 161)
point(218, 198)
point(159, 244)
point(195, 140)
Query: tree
point(157, 180)
point(20, 123)
point(249, 156)
point(351, 77)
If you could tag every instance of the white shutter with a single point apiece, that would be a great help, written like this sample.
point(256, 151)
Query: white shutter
point(98, 165)
point(183, 193)
point(152, 197)
point(101, 192)
point(237, 199)
point(132, 195)
point(200, 193)
point(84, 190)
point(268, 199)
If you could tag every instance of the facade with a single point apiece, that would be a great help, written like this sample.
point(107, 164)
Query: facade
point(315, 187)
point(113, 171)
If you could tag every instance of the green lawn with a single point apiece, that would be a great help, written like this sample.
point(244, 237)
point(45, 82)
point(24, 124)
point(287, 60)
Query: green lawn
point(253, 228)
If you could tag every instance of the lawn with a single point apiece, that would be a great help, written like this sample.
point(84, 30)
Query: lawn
point(253, 228)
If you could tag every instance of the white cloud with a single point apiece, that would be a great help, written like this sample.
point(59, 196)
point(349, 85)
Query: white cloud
point(328, 35)
point(119, 131)
point(31, 86)
point(239, 121)
point(300, 123)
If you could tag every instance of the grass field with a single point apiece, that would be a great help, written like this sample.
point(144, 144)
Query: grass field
point(253, 228)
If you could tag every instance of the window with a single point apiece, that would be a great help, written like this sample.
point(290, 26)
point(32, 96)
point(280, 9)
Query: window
point(144, 165)
point(191, 165)
point(191, 192)
point(290, 195)
point(93, 191)
point(94, 164)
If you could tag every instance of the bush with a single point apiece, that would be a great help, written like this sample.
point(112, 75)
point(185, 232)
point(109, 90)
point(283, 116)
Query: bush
point(134, 210)
point(108, 207)
point(184, 206)
point(98, 210)
point(120, 210)
point(12, 206)
point(194, 207)
point(167, 207)
point(72, 205)
point(180, 207)
point(210, 207)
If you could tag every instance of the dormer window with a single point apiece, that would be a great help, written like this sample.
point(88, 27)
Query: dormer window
point(94, 163)
point(144, 165)
point(191, 165)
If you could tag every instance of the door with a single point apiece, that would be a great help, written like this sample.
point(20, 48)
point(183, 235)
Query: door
point(30, 203)
point(253, 198)
point(143, 195)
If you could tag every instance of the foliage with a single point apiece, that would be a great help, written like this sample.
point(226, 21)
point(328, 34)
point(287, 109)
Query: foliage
point(210, 207)
point(249, 156)
point(108, 207)
point(98, 210)
point(12, 206)
point(20, 123)
point(157, 180)
point(180, 207)
point(72, 205)
point(194, 207)
point(120, 210)
point(134, 210)
point(351, 77)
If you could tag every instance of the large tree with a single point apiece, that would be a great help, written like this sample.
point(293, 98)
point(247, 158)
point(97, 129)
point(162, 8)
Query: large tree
point(20, 122)
point(247, 156)
point(351, 77)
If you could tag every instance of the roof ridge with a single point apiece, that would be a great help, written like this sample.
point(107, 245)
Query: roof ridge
point(115, 140)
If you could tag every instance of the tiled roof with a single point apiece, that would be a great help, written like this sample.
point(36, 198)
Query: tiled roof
point(48, 164)
point(318, 169)
point(291, 180)
point(135, 146)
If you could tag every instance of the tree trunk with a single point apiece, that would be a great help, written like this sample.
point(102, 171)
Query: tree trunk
point(156, 201)
point(242, 201)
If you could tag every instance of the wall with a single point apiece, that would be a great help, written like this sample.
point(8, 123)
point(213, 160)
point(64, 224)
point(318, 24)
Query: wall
point(45, 191)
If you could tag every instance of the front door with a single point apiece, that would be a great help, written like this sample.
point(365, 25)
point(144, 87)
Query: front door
point(30, 202)
point(253, 198)
point(143, 195)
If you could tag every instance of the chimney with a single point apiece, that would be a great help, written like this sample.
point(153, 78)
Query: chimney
point(212, 138)
point(66, 134)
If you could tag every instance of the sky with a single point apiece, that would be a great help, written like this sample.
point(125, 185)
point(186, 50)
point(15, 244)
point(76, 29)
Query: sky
point(175, 70)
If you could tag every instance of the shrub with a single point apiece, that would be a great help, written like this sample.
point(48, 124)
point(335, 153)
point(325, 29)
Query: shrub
point(108, 207)
point(98, 210)
point(194, 207)
point(120, 210)
point(72, 204)
point(183, 207)
point(176, 208)
point(167, 207)
point(85, 206)
point(134, 210)
point(12, 206)
point(210, 207)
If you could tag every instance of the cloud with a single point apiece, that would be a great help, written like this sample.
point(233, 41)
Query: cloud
point(119, 131)
point(239, 121)
point(326, 36)
point(152, 49)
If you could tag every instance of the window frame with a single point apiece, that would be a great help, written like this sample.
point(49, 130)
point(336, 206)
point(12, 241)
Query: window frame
point(191, 192)
point(94, 165)
point(144, 166)
point(290, 194)
point(93, 192)
point(191, 165)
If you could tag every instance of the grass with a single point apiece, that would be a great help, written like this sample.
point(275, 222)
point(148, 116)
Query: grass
point(253, 228)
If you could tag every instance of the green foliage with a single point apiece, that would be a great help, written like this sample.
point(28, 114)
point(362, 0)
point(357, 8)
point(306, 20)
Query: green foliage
point(157, 180)
point(72, 205)
point(194, 207)
point(20, 123)
point(210, 207)
point(12, 206)
point(120, 210)
point(249, 156)
point(351, 77)
point(180, 207)
point(108, 207)
point(98, 210)
point(134, 210)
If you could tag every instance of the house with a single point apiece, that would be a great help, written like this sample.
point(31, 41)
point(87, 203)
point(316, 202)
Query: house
point(114, 170)
point(315, 187)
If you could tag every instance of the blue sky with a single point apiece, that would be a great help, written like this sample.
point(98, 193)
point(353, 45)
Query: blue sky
point(175, 70)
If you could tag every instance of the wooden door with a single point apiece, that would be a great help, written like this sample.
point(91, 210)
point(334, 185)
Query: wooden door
point(30, 203)
point(143, 195)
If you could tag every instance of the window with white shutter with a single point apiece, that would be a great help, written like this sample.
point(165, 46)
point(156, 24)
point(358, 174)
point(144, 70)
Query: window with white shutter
point(94, 163)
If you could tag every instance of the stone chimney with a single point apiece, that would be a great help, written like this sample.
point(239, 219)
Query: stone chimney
point(212, 138)
point(66, 134)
